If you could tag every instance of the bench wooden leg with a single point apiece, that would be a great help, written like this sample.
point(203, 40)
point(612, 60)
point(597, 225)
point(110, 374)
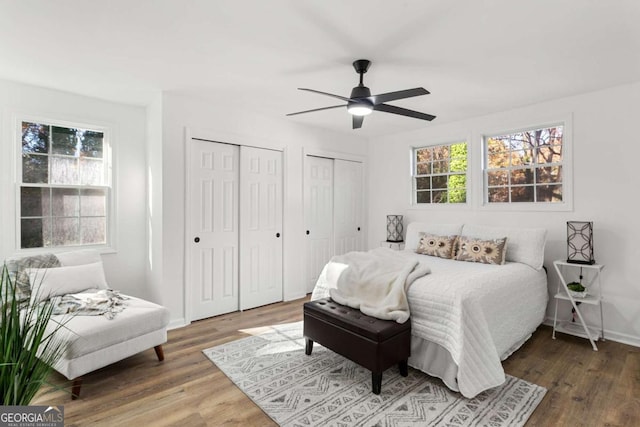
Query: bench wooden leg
point(159, 352)
point(404, 368)
point(308, 347)
point(75, 388)
point(376, 382)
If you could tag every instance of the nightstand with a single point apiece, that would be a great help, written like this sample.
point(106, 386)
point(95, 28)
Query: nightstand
point(589, 276)
point(396, 246)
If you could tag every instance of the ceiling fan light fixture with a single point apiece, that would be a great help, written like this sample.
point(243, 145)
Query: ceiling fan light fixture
point(361, 103)
point(359, 109)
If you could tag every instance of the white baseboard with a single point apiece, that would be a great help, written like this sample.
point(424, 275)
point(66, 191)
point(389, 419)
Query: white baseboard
point(610, 335)
point(295, 296)
point(177, 323)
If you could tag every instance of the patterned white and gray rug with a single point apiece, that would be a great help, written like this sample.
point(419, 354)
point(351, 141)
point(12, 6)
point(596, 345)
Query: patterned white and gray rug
point(325, 389)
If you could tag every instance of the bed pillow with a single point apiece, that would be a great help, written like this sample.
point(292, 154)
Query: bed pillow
point(434, 245)
point(526, 245)
point(51, 282)
point(472, 249)
point(414, 230)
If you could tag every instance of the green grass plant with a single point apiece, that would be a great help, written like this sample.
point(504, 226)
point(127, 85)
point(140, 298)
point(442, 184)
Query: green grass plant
point(28, 348)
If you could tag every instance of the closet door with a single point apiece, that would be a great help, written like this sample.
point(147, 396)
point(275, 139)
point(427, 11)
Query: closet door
point(318, 214)
point(348, 201)
point(260, 227)
point(213, 228)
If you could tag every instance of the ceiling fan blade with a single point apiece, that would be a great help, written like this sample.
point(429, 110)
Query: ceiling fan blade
point(403, 112)
point(316, 109)
point(401, 94)
point(325, 93)
point(357, 121)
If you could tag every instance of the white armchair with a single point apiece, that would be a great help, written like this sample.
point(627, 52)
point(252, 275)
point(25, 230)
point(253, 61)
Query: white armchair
point(97, 341)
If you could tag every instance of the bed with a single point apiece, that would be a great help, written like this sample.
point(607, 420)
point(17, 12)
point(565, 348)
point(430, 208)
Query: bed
point(466, 317)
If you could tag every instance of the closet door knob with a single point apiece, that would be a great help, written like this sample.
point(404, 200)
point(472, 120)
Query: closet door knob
point(307, 232)
point(277, 234)
point(358, 228)
point(197, 239)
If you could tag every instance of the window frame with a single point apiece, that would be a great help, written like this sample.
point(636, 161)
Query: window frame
point(567, 167)
point(413, 175)
point(109, 182)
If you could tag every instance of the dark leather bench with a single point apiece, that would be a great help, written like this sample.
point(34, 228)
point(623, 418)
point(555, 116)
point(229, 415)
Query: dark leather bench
point(372, 343)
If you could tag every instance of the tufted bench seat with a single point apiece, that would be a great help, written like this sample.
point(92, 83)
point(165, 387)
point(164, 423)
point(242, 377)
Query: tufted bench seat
point(372, 343)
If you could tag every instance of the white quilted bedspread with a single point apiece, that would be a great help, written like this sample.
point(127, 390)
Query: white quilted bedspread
point(477, 312)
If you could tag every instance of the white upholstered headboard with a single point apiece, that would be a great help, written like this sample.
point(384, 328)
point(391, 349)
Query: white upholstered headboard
point(525, 245)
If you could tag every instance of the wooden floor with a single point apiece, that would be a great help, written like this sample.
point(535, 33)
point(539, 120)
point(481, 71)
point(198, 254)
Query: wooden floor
point(585, 388)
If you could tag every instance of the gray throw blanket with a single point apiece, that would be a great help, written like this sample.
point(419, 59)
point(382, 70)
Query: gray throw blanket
point(105, 302)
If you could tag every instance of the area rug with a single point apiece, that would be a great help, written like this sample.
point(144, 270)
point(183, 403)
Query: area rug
point(325, 389)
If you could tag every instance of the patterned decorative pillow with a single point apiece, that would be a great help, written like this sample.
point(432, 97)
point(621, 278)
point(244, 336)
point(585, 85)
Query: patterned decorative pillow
point(473, 249)
point(17, 268)
point(434, 245)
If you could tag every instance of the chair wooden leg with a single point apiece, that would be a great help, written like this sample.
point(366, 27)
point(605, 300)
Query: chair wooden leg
point(75, 388)
point(159, 352)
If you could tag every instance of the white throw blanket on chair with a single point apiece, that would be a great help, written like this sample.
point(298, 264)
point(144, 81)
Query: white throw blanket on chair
point(375, 282)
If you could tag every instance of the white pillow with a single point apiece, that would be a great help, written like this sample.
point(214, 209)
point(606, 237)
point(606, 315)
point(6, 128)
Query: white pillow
point(51, 282)
point(525, 245)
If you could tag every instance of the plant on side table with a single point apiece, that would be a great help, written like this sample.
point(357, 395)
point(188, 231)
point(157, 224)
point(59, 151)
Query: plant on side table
point(577, 290)
point(28, 349)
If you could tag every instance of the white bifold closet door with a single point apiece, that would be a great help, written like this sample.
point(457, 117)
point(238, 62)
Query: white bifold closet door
point(235, 226)
point(318, 215)
point(347, 211)
point(260, 227)
point(333, 212)
point(214, 236)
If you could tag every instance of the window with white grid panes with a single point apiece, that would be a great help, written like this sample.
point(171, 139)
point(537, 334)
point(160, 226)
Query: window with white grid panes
point(65, 186)
point(524, 166)
point(440, 174)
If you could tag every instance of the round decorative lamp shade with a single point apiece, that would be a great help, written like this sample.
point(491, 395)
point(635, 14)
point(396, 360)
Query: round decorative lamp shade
point(394, 228)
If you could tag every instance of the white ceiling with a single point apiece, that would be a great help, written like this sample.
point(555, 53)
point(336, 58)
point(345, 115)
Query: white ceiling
point(475, 57)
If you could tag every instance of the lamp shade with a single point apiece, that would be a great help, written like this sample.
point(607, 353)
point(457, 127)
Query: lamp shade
point(394, 228)
point(580, 242)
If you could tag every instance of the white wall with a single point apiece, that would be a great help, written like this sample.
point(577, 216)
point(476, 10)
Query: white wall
point(226, 123)
point(606, 151)
point(125, 267)
point(153, 226)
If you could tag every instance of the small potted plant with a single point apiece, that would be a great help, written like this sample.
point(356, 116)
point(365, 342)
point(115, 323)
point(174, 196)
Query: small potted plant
point(577, 290)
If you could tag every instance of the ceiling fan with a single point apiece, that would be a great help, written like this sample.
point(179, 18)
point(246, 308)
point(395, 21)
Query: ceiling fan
point(362, 103)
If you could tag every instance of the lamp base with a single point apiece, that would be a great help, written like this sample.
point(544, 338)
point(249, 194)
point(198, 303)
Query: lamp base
point(573, 261)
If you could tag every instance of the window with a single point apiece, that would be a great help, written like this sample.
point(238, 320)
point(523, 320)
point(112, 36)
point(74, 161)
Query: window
point(524, 166)
point(440, 174)
point(64, 188)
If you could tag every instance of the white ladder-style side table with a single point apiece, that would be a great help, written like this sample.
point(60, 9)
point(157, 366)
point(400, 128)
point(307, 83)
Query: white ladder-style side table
point(594, 285)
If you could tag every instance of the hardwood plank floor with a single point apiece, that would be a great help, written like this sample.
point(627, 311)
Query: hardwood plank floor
point(585, 388)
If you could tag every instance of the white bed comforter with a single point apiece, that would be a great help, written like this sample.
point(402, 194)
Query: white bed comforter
point(477, 312)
